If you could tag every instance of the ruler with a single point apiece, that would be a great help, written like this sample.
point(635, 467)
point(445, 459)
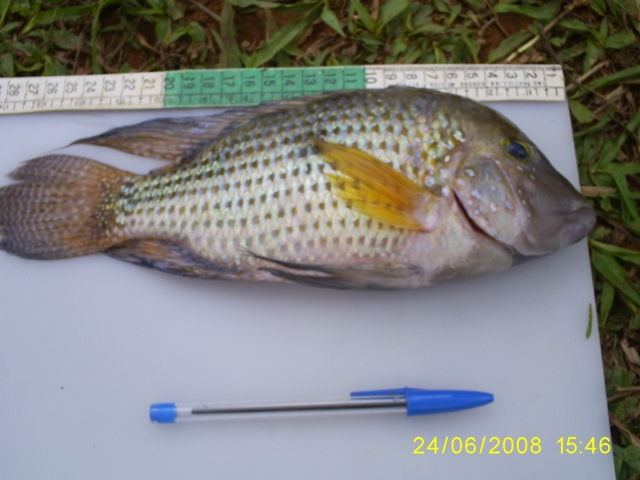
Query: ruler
point(243, 87)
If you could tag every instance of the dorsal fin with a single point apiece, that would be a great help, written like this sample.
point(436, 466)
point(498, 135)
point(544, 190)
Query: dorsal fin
point(181, 138)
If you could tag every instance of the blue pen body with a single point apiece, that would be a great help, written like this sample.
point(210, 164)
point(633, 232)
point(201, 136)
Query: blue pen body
point(416, 402)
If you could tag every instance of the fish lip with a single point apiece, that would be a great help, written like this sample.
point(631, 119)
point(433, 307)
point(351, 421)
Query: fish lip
point(584, 215)
point(576, 224)
point(581, 221)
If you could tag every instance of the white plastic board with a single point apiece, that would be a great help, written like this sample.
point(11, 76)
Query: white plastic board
point(86, 345)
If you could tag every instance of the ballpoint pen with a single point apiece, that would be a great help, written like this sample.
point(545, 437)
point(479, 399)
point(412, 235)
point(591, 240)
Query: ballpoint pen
point(414, 401)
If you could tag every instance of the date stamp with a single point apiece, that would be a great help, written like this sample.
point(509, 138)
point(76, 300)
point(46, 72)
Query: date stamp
point(478, 446)
point(508, 445)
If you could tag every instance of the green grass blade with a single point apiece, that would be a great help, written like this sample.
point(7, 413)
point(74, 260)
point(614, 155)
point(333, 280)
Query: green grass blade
point(544, 13)
point(576, 25)
point(616, 275)
point(254, 3)
point(7, 68)
point(65, 14)
point(624, 254)
point(621, 181)
point(330, 19)
point(174, 11)
point(626, 75)
point(228, 34)
point(389, 11)
point(619, 40)
point(508, 45)
point(606, 302)
point(4, 8)
point(581, 113)
point(284, 37)
point(631, 456)
point(603, 122)
point(364, 16)
point(95, 61)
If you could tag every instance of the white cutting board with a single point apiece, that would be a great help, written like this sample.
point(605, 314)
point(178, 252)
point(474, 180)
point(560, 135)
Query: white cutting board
point(86, 345)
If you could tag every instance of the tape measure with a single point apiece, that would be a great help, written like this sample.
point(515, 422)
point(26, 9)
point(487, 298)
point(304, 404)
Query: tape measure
point(243, 87)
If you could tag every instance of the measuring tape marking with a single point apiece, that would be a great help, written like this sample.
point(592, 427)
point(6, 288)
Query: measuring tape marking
point(254, 86)
point(480, 82)
point(244, 87)
point(135, 90)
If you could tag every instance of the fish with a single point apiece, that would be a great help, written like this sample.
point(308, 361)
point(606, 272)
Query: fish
point(367, 189)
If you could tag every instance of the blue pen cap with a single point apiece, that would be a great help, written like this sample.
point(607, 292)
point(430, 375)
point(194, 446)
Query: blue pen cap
point(163, 412)
point(440, 401)
point(420, 402)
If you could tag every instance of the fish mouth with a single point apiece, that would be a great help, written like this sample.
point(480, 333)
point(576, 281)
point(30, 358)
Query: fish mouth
point(578, 224)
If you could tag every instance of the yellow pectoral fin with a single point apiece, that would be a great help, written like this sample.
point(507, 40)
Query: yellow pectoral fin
point(377, 190)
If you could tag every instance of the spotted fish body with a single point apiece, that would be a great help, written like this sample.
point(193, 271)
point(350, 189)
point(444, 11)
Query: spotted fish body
point(395, 188)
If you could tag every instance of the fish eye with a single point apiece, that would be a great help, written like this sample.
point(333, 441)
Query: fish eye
point(517, 150)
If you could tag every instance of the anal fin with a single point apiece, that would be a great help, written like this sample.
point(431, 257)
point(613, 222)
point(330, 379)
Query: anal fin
point(364, 276)
point(170, 257)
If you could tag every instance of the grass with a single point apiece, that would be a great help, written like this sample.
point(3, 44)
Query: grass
point(596, 42)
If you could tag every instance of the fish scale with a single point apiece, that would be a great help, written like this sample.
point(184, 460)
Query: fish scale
point(258, 196)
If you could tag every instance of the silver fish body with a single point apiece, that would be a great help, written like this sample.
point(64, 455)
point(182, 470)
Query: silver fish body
point(393, 188)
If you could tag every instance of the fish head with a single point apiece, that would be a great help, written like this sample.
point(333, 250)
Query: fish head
point(511, 192)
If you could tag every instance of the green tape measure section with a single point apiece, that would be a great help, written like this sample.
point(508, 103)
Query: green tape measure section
point(242, 87)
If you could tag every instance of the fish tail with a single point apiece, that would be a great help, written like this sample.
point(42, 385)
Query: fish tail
point(63, 206)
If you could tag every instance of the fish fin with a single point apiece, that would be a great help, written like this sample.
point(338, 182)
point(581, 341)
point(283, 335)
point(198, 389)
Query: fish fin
point(377, 190)
point(388, 276)
point(181, 138)
point(63, 206)
point(169, 257)
point(178, 139)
